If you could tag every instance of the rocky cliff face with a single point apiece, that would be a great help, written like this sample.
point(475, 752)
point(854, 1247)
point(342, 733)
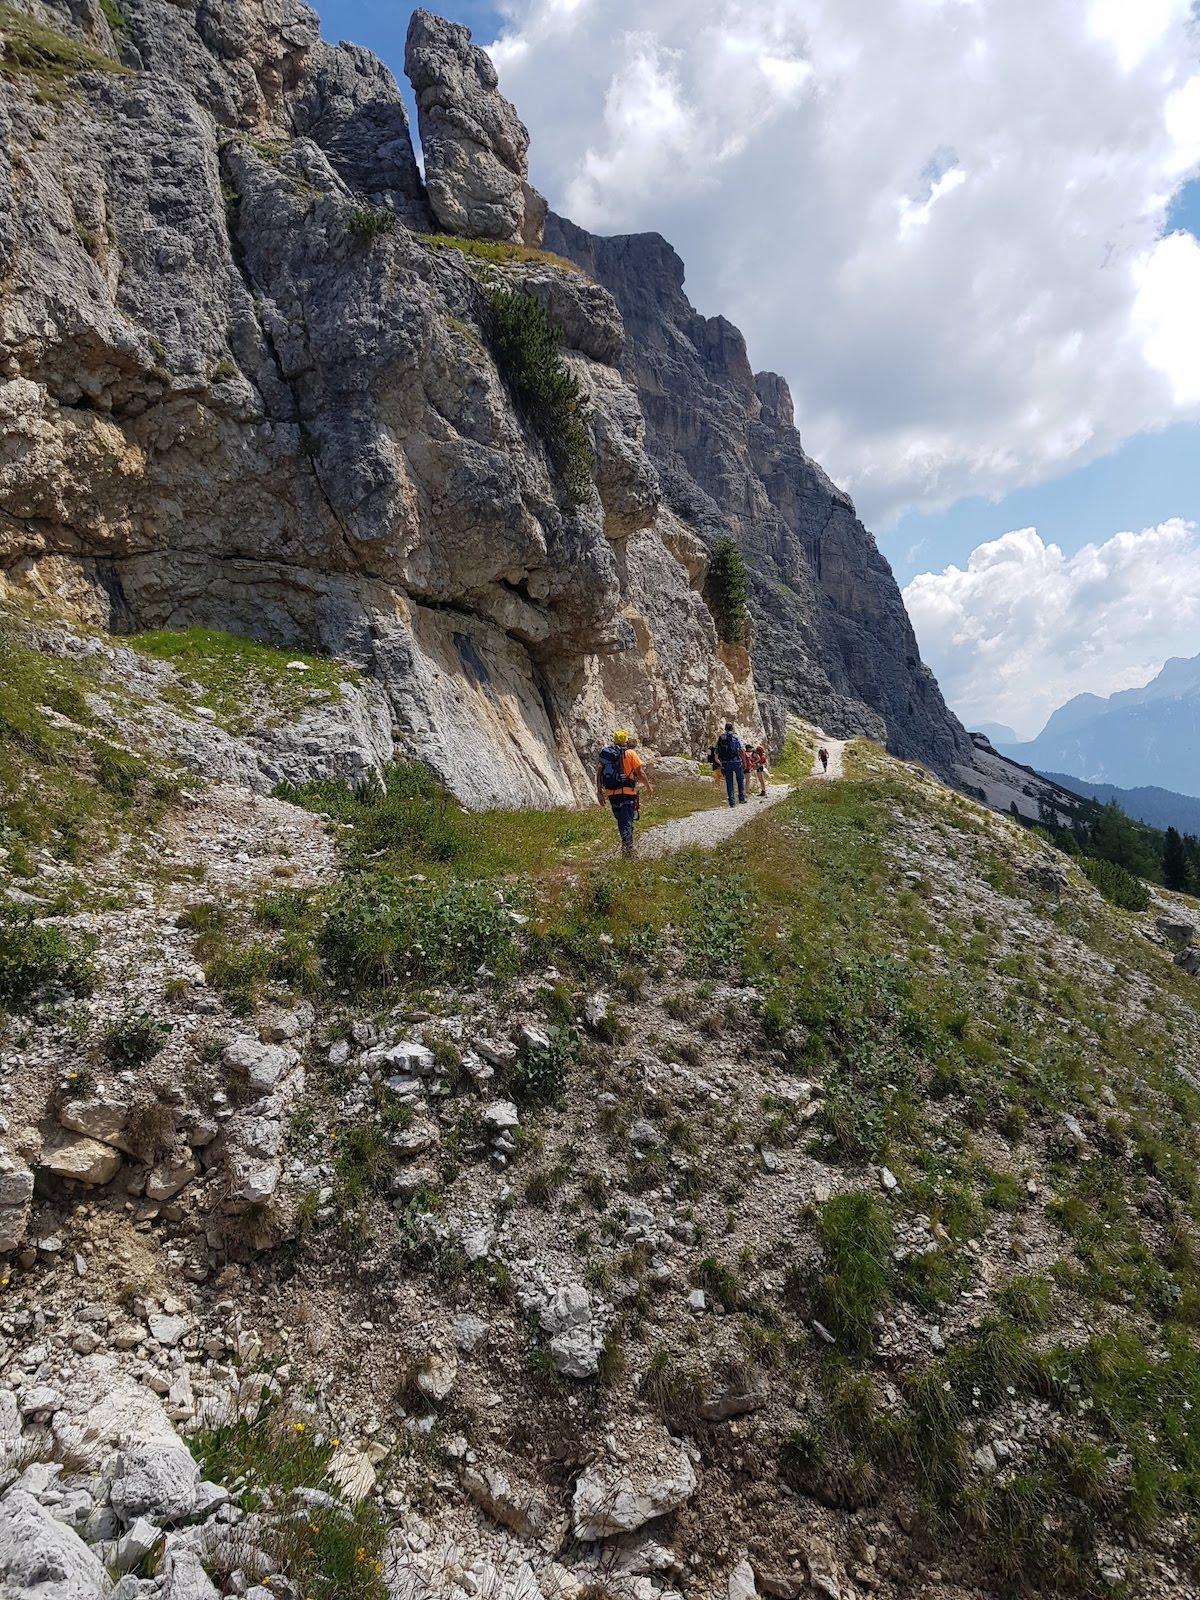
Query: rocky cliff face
point(833, 640)
point(243, 389)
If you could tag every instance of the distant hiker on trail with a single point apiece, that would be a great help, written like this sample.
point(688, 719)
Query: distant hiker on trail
point(824, 755)
point(758, 765)
point(618, 773)
point(729, 754)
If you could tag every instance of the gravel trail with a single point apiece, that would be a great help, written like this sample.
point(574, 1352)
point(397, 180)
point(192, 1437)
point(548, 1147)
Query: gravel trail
point(707, 829)
point(835, 748)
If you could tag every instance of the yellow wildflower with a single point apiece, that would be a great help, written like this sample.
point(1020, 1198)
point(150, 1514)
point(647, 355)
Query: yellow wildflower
point(299, 1427)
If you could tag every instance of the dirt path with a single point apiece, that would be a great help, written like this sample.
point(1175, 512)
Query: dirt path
point(835, 748)
point(706, 828)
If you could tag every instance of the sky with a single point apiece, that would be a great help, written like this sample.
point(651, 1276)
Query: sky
point(968, 234)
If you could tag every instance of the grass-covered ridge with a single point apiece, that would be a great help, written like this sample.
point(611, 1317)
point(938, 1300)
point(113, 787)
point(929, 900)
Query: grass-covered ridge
point(65, 785)
point(496, 252)
point(44, 58)
point(242, 680)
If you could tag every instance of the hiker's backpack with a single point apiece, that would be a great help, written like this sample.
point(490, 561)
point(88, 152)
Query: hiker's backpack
point(612, 768)
point(727, 747)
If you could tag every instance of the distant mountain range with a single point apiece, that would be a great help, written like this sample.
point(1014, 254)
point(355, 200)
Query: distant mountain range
point(1161, 808)
point(1137, 738)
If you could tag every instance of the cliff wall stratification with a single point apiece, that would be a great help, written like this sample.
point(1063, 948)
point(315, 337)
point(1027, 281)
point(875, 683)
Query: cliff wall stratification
point(244, 388)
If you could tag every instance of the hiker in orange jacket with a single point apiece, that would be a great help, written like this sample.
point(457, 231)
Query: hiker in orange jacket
point(619, 771)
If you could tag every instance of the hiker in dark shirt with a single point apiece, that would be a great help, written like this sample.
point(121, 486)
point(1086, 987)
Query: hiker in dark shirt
point(729, 754)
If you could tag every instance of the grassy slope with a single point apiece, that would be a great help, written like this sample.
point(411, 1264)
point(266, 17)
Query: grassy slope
point(880, 937)
point(955, 1015)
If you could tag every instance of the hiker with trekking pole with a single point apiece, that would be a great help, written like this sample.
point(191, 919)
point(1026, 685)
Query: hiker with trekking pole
point(618, 773)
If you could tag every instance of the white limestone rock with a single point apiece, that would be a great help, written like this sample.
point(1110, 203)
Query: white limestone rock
point(609, 1502)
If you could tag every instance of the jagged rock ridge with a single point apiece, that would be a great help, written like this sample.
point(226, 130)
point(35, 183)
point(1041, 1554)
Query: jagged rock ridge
point(833, 639)
point(244, 391)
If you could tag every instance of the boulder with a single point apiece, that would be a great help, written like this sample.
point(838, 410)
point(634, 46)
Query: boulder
point(41, 1557)
point(184, 1578)
point(736, 1400)
point(168, 1330)
point(171, 1176)
point(501, 1115)
point(100, 1116)
point(437, 1372)
point(574, 1340)
point(262, 1065)
point(253, 1146)
point(154, 1480)
point(1189, 960)
point(83, 1159)
point(470, 1332)
point(475, 146)
point(1175, 929)
point(353, 1472)
point(608, 1502)
point(741, 1582)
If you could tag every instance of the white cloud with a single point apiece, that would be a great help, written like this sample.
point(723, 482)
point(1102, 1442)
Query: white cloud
point(1024, 627)
point(939, 219)
point(1167, 313)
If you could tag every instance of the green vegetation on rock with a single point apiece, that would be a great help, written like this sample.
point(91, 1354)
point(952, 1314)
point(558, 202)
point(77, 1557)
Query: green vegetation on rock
point(45, 58)
point(525, 344)
point(64, 786)
point(727, 591)
point(36, 959)
point(495, 252)
point(244, 682)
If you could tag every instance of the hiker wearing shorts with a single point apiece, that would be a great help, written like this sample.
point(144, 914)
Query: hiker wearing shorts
point(618, 773)
point(758, 765)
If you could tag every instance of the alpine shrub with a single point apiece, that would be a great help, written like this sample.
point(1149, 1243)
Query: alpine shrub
point(406, 813)
point(367, 224)
point(134, 1038)
point(856, 1239)
point(35, 958)
point(539, 1077)
point(1119, 888)
point(525, 345)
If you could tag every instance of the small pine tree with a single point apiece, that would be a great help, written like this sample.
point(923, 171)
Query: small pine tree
point(525, 344)
point(727, 592)
point(1175, 861)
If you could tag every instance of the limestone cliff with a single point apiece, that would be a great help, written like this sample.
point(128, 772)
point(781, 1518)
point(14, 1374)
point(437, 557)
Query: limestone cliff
point(833, 640)
point(243, 387)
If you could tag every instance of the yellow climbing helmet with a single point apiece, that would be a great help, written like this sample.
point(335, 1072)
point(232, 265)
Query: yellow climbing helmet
point(621, 736)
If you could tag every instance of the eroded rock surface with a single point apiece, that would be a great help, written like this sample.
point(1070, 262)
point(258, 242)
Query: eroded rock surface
point(241, 393)
point(832, 639)
point(474, 143)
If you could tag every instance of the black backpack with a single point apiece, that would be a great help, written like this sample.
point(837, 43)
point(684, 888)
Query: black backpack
point(612, 767)
point(727, 747)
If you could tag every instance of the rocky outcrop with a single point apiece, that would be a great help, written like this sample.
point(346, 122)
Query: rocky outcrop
point(474, 143)
point(242, 393)
point(832, 640)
